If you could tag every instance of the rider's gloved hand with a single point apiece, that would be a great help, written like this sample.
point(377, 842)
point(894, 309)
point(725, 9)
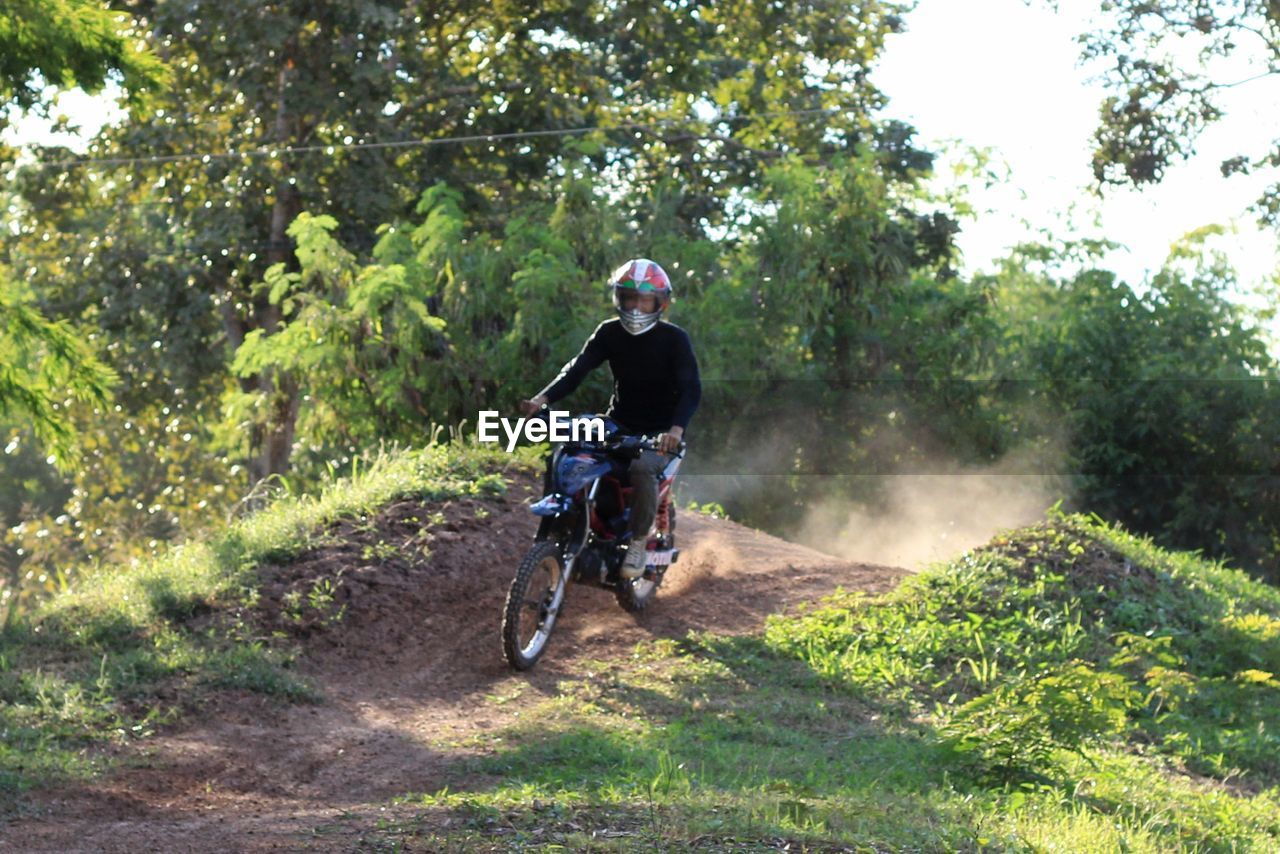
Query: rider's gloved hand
point(669, 442)
point(531, 407)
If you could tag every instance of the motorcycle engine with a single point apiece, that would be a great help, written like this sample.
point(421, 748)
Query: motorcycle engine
point(589, 566)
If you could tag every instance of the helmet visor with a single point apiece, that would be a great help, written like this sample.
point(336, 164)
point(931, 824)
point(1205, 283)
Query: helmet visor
point(632, 299)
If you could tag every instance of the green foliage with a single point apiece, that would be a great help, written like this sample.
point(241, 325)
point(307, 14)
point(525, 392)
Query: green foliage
point(839, 728)
point(1021, 724)
point(714, 741)
point(69, 43)
point(45, 366)
point(139, 482)
point(425, 331)
point(390, 309)
point(816, 276)
point(1164, 400)
point(1059, 635)
point(312, 79)
point(452, 315)
point(1167, 65)
point(707, 508)
point(836, 339)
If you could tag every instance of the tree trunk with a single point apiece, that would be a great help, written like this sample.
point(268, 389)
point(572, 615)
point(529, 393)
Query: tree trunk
point(842, 319)
point(271, 440)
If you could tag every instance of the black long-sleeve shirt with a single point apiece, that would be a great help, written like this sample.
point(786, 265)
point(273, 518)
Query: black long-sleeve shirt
point(655, 375)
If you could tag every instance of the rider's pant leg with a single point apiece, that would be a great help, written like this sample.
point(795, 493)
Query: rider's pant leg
point(644, 473)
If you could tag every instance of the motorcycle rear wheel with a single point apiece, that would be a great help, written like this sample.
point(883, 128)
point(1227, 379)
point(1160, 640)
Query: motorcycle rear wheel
point(533, 604)
point(635, 595)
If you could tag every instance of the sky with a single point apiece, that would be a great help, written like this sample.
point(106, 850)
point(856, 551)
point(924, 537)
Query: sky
point(1003, 75)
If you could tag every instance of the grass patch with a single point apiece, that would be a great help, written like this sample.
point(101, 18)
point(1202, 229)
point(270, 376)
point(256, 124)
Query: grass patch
point(1065, 634)
point(1067, 688)
point(717, 744)
point(131, 647)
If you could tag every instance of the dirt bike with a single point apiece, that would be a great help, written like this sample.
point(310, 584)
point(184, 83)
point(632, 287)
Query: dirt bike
point(582, 537)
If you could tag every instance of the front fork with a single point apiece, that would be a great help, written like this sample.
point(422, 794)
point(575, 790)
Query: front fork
point(572, 541)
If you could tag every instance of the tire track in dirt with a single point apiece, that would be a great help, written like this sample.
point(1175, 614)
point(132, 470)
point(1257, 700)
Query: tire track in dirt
point(412, 663)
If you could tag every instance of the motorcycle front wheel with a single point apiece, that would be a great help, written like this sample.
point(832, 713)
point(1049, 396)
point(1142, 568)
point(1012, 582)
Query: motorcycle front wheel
point(533, 604)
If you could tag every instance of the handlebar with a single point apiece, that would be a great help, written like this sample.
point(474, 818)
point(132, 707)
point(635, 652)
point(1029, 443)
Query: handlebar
point(636, 444)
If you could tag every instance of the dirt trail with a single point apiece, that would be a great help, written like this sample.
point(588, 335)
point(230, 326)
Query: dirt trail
point(412, 663)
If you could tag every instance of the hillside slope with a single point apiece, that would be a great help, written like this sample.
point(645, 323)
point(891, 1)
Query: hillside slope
point(326, 675)
point(397, 619)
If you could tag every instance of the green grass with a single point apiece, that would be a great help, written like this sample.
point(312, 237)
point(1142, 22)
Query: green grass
point(1178, 654)
point(132, 647)
point(1067, 688)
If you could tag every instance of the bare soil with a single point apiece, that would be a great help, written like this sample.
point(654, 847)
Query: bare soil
point(413, 661)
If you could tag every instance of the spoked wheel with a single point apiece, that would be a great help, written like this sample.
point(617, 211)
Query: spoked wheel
point(636, 594)
point(533, 603)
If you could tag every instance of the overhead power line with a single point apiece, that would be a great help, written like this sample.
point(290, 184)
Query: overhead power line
point(333, 148)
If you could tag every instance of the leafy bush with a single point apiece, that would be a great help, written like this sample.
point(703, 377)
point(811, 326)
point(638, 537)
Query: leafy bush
point(1165, 396)
point(1020, 723)
point(1054, 638)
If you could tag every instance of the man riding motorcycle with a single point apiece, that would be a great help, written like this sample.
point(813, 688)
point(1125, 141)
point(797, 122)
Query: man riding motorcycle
point(656, 388)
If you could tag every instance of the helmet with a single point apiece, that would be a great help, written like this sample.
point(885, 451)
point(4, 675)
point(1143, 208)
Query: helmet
point(640, 276)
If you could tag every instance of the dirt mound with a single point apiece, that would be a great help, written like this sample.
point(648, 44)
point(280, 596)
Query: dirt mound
point(1063, 548)
point(415, 590)
point(399, 617)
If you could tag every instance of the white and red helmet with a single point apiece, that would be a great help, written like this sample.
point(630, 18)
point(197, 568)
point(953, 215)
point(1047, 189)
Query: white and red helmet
point(640, 276)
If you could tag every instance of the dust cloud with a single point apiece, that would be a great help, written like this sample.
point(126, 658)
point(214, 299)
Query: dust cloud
point(708, 558)
point(932, 509)
point(922, 518)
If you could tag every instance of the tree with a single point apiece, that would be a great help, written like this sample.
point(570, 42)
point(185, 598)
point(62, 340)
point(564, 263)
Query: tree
point(174, 238)
point(326, 106)
point(1165, 401)
point(446, 317)
point(66, 43)
point(843, 340)
point(44, 364)
point(44, 367)
point(1168, 62)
